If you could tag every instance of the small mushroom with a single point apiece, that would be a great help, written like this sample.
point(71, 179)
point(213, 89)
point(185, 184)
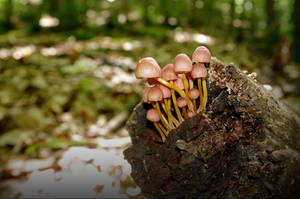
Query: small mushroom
point(199, 73)
point(145, 94)
point(148, 68)
point(183, 65)
point(169, 74)
point(190, 114)
point(165, 104)
point(194, 94)
point(182, 103)
point(201, 57)
point(153, 116)
point(155, 96)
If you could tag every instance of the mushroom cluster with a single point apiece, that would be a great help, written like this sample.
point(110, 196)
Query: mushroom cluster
point(176, 92)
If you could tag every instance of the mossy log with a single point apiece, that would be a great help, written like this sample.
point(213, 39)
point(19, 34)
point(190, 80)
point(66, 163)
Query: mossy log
point(245, 144)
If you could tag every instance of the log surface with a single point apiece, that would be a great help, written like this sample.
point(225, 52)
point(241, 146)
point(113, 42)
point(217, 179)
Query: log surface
point(245, 144)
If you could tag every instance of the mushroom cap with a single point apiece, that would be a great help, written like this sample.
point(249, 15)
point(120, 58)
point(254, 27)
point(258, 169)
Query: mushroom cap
point(155, 94)
point(194, 93)
point(166, 91)
point(182, 63)
point(147, 68)
point(145, 94)
point(179, 83)
point(168, 73)
point(190, 114)
point(202, 55)
point(152, 115)
point(181, 102)
point(198, 71)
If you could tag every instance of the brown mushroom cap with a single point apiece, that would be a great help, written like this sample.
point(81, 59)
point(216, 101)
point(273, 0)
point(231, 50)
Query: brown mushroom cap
point(198, 71)
point(179, 83)
point(155, 94)
point(202, 55)
point(181, 102)
point(147, 68)
point(194, 93)
point(145, 94)
point(168, 73)
point(182, 63)
point(152, 115)
point(166, 91)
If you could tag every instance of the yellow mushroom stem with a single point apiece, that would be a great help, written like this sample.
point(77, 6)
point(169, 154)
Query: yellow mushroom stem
point(163, 137)
point(163, 129)
point(200, 94)
point(175, 106)
point(173, 119)
point(204, 91)
point(185, 115)
point(161, 116)
point(194, 105)
point(170, 120)
point(171, 86)
point(186, 88)
point(191, 84)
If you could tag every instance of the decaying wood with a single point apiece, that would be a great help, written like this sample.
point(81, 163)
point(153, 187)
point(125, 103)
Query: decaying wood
point(246, 144)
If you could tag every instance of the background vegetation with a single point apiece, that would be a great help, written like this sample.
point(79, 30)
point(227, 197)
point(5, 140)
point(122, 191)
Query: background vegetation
point(66, 63)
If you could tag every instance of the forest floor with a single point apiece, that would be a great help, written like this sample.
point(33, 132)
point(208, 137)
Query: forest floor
point(64, 103)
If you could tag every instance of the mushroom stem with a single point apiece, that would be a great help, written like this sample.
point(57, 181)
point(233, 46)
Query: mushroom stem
point(185, 115)
point(194, 105)
point(186, 88)
point(172, 86)
point(176, 107)
point(163, 137)
point(161, 116)
point(191, 84)
point(166, 109)
point(162, 128)
point(204, 91)
point(201, 96)
point(173, 120)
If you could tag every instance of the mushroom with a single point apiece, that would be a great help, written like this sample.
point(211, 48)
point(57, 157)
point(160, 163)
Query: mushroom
point(199, 73)
point(149, 68)
point(201, 57)
point(166, 106)
point(190, 114)
point(145, 94)
point(183, 65)
point(153, 116)
point(155, 95)
point(194, 94)
point(182, 103)
point(169, 74)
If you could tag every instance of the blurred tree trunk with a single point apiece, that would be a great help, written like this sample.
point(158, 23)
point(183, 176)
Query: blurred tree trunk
point(146, 19)
point(53, 5)
point(8, 12)
point(296, 31)
point(232, 11)
point(195, 15)
point(272, 22)
point(165, 11)
point(208, 10)
point(253, 18)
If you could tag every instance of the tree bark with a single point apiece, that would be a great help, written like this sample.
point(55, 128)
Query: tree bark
point(245, 144)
